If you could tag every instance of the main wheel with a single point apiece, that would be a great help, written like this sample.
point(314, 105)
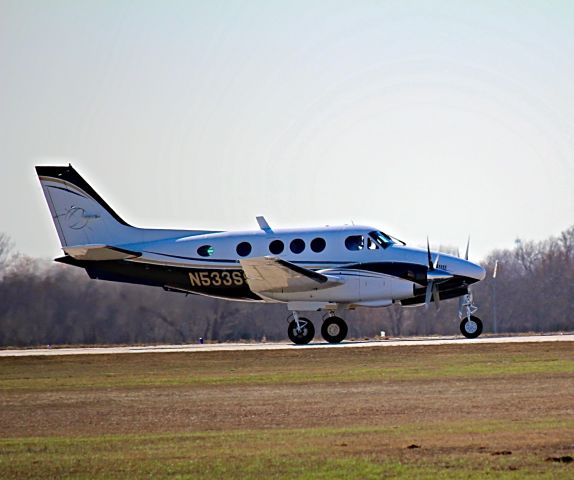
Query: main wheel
point(471, 328)
point(334, 330)
point(304, 334)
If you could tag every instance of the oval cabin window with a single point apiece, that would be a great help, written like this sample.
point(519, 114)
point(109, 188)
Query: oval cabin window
point(243, 249)
point(318, 244)
point(297, 245)
point(276, 247)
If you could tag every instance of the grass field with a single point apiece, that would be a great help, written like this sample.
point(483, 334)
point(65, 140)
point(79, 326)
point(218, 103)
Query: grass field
point(468, 411)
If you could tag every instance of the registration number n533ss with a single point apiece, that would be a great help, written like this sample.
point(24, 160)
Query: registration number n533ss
point(217, 278)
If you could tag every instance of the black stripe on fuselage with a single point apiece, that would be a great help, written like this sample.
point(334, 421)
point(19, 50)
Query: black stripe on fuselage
point(413, 272)
point(230, 283)
point(234, 260)
point(223, 283)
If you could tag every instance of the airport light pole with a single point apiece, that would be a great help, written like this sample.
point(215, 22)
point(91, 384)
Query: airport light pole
point(494, 320)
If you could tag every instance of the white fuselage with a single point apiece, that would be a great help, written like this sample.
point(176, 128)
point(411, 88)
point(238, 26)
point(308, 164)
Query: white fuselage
point(210, 255)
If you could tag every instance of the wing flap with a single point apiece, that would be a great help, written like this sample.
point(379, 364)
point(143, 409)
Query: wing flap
point(270, 274)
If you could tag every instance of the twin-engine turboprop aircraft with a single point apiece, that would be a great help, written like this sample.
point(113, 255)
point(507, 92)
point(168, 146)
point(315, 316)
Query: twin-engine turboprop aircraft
point(329, 268)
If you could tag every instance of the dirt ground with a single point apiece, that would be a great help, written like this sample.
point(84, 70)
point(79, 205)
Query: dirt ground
point(370, 403)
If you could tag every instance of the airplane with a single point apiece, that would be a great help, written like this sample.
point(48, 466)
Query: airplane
point(330, 269)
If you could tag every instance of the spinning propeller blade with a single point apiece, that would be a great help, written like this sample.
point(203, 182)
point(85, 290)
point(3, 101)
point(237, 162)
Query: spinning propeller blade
point(435, 275)
point(428, 294)
point(436, 297)
point(432, 290)
point(435, 264)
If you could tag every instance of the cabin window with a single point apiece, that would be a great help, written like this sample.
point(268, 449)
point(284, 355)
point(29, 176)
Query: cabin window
point(297, 245)
point(276, 247)
point(205, 251)
point(371, 245)
point(354, 242)
point(318, 244)
point(243, 249)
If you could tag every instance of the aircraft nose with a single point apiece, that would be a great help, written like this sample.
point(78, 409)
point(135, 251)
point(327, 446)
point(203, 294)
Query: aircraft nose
point(476, 271)
point(469, 269)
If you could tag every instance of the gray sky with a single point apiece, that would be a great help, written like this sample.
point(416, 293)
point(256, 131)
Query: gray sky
point(439, 118)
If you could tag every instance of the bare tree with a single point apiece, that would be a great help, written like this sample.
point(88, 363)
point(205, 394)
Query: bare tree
point(6, 248)
point(396, 314)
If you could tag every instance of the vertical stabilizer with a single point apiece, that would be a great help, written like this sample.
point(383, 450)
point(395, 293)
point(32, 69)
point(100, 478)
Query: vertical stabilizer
point(80, 215)
point(83, 218)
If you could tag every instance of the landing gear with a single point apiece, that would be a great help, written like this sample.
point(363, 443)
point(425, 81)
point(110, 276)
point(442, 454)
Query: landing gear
point(334, 329)
point(471, 327)
point(301, 330)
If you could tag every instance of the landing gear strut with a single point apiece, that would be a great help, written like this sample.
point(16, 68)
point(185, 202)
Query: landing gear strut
point(301, 330)
point(334, 329)
point(470, 326)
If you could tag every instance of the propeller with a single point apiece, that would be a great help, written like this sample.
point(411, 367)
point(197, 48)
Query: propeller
point(435, 275)
point(467, 247)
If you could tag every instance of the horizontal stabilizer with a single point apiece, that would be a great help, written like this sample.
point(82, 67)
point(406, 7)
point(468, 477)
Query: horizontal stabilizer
point(100, 252)
point(270, 274)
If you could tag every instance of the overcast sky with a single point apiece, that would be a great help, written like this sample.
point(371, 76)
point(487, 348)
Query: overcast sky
point(439, 118)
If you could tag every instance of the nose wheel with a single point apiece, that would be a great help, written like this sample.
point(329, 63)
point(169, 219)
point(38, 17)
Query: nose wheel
point(471, 327)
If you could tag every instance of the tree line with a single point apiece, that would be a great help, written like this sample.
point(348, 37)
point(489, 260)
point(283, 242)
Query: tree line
point(44, 303)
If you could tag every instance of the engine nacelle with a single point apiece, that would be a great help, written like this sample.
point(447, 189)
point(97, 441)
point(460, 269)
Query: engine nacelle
point(356, 288)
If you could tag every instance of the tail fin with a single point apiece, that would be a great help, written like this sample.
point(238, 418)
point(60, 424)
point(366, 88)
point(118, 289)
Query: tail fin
point(80, 215)
point(83, 218)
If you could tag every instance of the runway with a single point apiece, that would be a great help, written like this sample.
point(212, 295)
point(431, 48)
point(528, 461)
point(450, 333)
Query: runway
point(222, 347)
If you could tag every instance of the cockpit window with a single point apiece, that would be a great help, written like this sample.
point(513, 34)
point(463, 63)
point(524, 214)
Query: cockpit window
point(382, 239)
point(354, 242)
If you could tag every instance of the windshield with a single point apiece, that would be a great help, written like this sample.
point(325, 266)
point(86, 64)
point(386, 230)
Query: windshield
point(381, 238)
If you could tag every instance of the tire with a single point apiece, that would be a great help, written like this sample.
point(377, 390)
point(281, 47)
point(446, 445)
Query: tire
point(334, 330)
point(304, 336)
point(471, 329)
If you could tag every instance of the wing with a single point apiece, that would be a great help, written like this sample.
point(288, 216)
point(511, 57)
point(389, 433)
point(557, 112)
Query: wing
point(270, 274)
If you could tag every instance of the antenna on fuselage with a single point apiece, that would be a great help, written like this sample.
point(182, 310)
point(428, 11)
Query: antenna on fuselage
point(263, 225)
